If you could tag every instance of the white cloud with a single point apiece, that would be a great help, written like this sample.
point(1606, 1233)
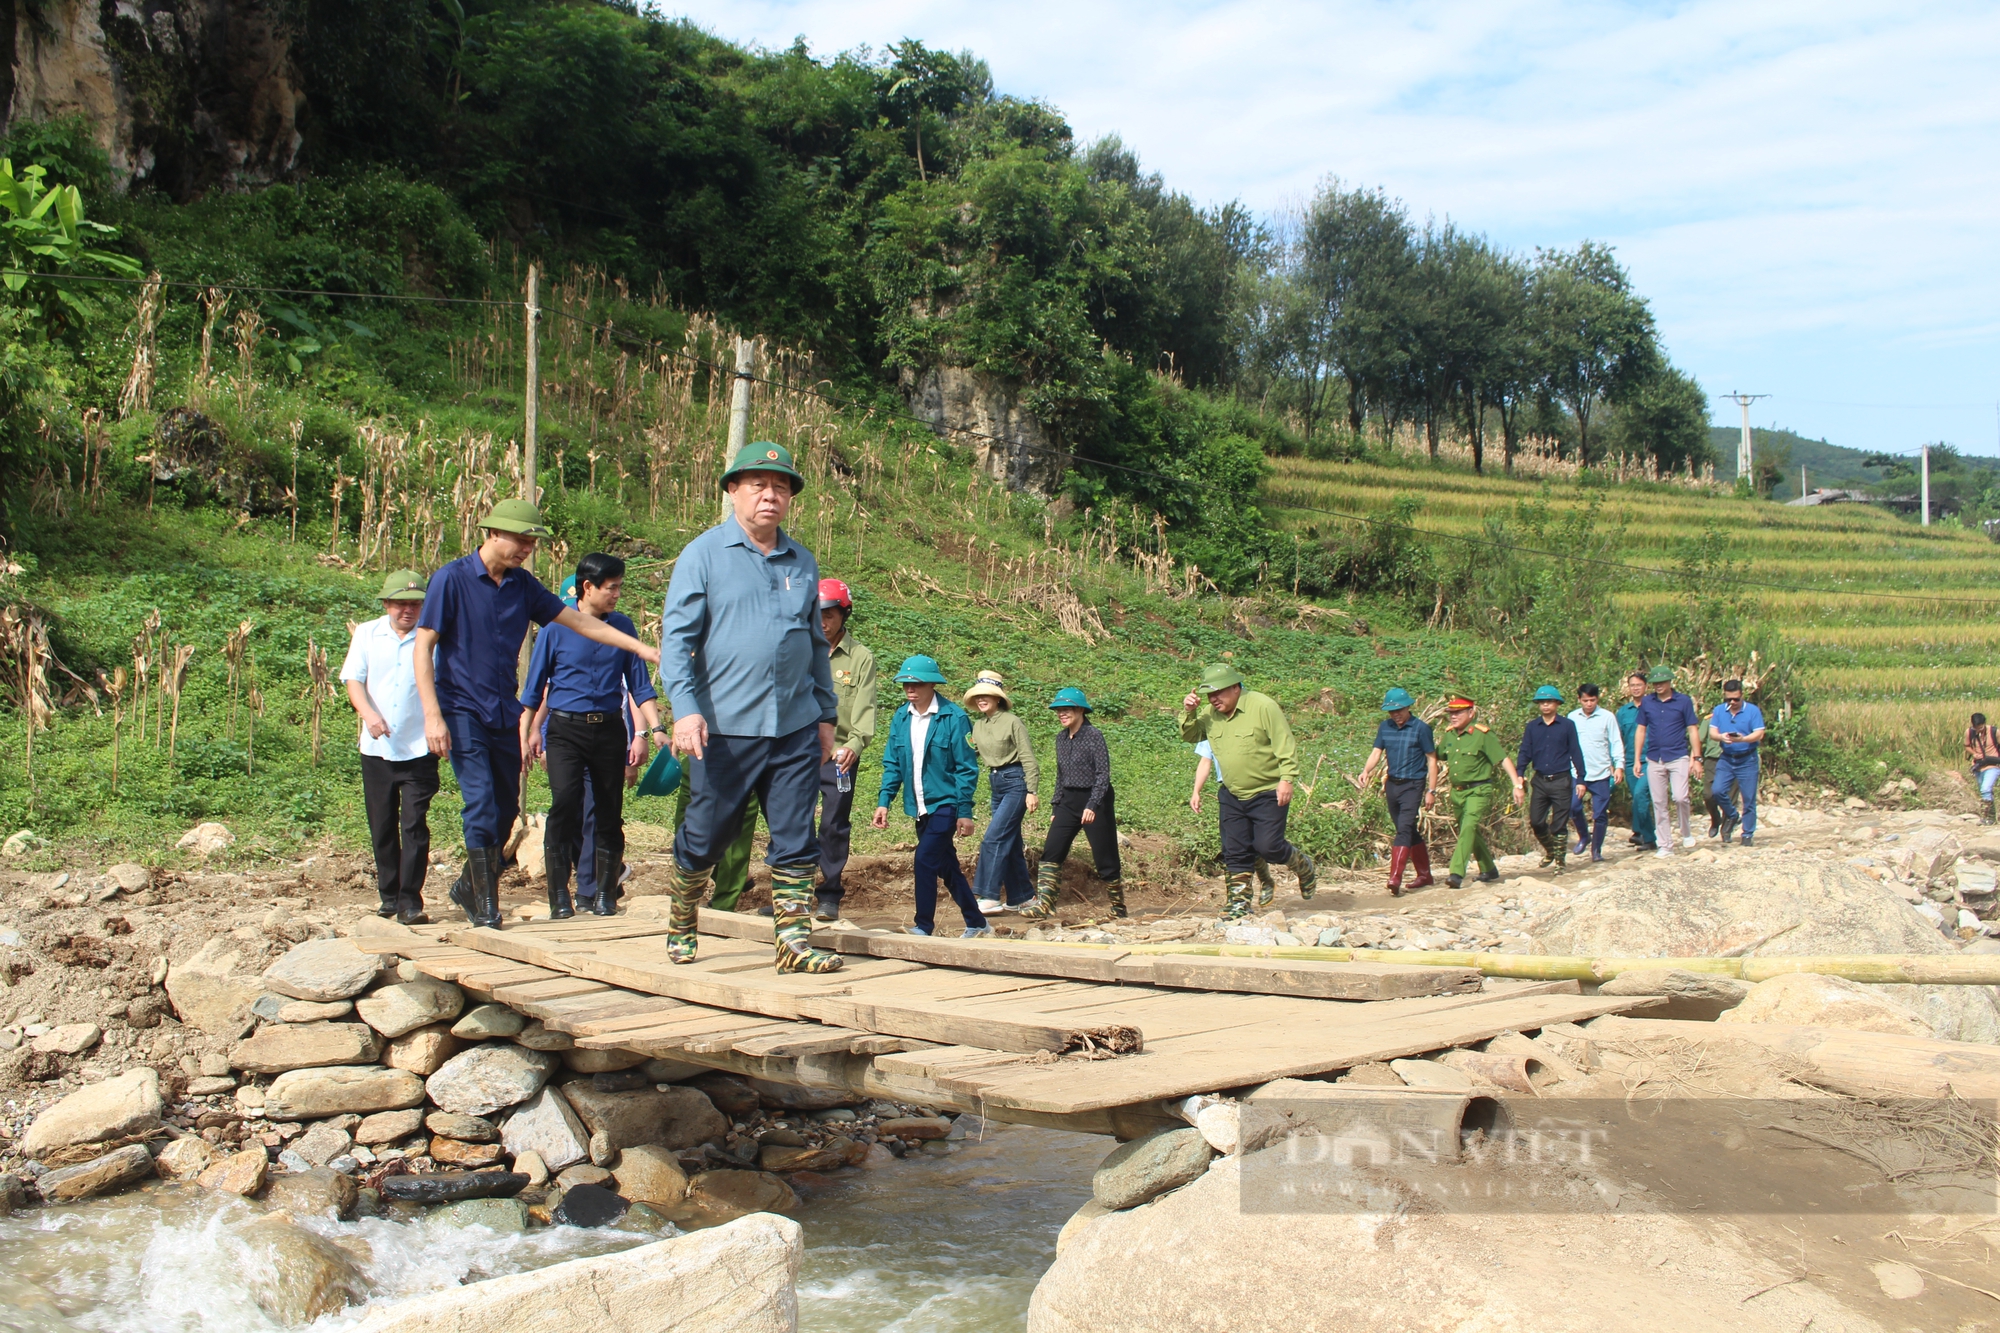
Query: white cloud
point(1805, 190)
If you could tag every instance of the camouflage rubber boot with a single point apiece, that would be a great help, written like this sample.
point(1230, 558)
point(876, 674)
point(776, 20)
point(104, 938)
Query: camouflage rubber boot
point(1116, 889)
point(791, 922)
point(686, 889)
point(1986, 812)
point(1308, 873)
point(1267, 888)
point(1237, 896)
point(1044, 905)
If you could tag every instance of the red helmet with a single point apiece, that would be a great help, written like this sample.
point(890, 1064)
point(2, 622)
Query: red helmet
point(832, 592)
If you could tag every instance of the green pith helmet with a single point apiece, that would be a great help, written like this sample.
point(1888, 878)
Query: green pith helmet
point(1219, 677)
point(1659, 675)
point(1548, 692)
point(764, 456)
point(1397, 698)
point(403, 585)
point(516, 516)
point(1069, 696)
point(920, 670)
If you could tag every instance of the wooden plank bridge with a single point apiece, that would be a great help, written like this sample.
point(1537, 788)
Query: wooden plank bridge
point(1098, 1040)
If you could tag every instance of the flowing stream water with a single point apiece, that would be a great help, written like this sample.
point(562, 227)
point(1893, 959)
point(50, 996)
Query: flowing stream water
point(930, 1245)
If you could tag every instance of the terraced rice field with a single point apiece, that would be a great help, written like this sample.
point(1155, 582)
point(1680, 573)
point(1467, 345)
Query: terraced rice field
point(1897, 624)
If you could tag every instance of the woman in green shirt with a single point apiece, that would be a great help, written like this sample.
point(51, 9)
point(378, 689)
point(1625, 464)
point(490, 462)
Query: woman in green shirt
point(1001, 740)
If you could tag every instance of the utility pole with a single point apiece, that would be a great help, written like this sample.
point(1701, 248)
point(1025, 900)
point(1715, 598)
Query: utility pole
point(739, 404)
point(529, 490)
point(1925, 487)
point(1744, 453)
point(1802, 481)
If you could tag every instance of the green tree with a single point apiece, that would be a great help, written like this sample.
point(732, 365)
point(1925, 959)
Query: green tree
point(1664, 416)
point(1597, 337)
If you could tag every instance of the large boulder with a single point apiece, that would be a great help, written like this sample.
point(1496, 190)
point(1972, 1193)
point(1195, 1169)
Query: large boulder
point(651, 1174)
point(737, 1278)
point(486, 1078)
point(424, 1051)
point(1771, 909)
point(128, 1104)
point(673, 1117)
point(721, 1196)
point(278, 1047)
point(1808, 999)
point(307, 1094)
point(545, 1125)
point(409, 1005)
point(295, 1275)
point(1146, 1168)
point(1199, 1258)
point(213, 990)
point(322, 970)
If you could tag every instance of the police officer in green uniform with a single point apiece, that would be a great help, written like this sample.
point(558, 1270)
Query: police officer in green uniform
point(1472, 757)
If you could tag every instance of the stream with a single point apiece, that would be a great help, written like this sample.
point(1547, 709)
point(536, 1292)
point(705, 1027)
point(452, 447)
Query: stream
point(929, 1245)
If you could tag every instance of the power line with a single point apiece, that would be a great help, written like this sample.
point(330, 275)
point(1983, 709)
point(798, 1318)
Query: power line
point(268, 291)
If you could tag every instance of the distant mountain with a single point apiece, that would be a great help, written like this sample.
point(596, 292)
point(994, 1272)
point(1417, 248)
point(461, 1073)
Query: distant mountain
point(1827, 465)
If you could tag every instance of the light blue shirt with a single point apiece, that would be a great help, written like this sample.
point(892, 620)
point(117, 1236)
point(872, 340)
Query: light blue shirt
point(1749, 719)
point(387, 665)
point(740, 641)
point(1203, 750)
point(1602, 741)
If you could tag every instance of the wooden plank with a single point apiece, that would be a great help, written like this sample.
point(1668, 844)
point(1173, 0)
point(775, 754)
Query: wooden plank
point(676, 1036)
point(958, 1027)
point(982, 955)
point(876, 1044)
point(1315, 980)
point(715, 1043)
point(654, 1011)
point(817, 1040)
point(591, 1014)
point(1177, 1067)
point(555, 988)
point(499, 973)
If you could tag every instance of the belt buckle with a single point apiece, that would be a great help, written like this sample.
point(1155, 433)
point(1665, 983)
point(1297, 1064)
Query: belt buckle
point(593, 717)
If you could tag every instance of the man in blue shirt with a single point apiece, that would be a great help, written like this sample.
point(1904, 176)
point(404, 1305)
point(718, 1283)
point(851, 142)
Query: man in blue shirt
point(398, 772)
point(585, 685)
point(1666, 737)
point(747, 672)
point(1604, 758)
point(1740, 728)
point(1407, 749)
point(1550, 747)
point(469, 638)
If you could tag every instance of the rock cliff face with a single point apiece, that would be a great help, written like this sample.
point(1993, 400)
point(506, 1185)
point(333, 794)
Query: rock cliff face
point(184, 94)
point(1009, 444)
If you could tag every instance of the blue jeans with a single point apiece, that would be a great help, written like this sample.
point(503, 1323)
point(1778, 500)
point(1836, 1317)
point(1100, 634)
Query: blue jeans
point(1740, 772)
point(937, 858)
point(1641, 792)
point(1987, 777)
point(487, 764)
point(1003, 859)
point(1593, 827)
point(781, 772)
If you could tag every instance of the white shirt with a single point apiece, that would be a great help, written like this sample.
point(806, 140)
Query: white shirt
point(1603, 743)
point(387, 664)
point(920, 730)
point(1206, 751)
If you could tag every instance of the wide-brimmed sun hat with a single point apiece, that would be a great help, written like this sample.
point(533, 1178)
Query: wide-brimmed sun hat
point(989, 683)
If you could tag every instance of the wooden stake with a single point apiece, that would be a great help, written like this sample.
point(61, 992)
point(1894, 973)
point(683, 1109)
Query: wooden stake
point(533, 391)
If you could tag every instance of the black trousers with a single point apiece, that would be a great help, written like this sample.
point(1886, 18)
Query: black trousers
point(1548, 807)
point(836, 826)
point(1406, 798)
point(1066, 818)
point(572, 749)
point(1252, 830)
point(397, 795)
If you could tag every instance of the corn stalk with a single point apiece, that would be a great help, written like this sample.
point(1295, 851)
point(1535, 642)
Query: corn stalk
point(249, 328)
point(319, 689)
point(173, 681)
point(137, 395)
point(24, 641)
point(114, 687)
point(234, 650)
point(214, 304)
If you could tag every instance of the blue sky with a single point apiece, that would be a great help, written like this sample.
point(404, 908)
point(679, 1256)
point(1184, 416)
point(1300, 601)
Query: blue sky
point(1808, 192)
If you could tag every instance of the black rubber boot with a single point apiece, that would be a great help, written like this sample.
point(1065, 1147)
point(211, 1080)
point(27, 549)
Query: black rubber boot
point(482, 865)
point(827, 907)
point(560, 907)
point(462, 892)
point(608, 892)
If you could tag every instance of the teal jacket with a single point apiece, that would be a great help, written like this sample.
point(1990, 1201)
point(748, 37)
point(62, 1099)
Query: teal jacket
point(950, 767)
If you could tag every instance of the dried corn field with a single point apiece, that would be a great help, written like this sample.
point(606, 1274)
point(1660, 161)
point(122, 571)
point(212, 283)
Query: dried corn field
point(1897, 625)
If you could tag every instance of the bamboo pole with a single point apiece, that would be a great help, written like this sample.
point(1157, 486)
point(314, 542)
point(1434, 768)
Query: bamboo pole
point(1881, 969)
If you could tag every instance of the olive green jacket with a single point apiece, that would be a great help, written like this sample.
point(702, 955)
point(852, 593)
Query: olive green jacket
point(854, 687)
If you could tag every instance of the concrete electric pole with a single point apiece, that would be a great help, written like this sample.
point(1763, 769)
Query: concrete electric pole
point(1744, 453)
point(1924, 488)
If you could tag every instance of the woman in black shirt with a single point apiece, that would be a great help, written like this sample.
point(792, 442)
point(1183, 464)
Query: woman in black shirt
point(1084, 801)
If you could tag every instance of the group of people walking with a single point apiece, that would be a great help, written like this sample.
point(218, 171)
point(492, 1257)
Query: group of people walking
point(773, 707)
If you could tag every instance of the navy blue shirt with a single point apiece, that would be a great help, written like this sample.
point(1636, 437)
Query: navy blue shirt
point(1551, 749)
point(1666, 722)
point(583, 675)
point(480, 626)
point(1749, 719)
point(1403, 748)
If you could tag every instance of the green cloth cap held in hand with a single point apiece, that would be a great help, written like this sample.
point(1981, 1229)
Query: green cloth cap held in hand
point(1397, 698)
point(919, 670)
point(764, 456)
point(1219, 677)
point(403, 585)
point(662, 776)
point(1548, 692)
point(1069, 696)
point(516, 516)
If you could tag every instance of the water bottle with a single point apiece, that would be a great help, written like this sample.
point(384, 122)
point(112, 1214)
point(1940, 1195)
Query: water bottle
point(843, 780)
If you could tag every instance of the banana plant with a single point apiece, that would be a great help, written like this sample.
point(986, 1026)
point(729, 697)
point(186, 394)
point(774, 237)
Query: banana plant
point(48, 239)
